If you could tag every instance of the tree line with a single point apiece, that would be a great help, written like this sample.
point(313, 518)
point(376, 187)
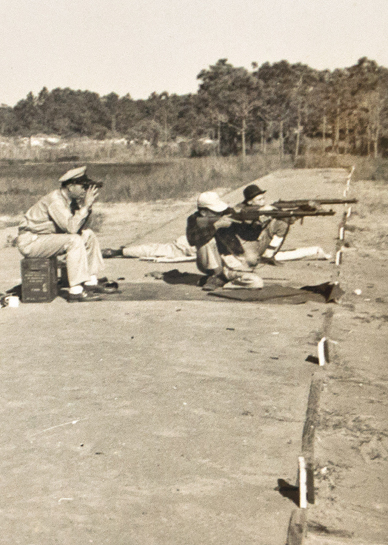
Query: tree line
point(239, 109)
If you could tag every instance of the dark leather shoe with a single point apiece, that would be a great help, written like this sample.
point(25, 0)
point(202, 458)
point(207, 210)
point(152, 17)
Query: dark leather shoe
point(107, 253)
point(110, 287)
point(202, 281)
point(83, 297)
point(213, 282)
point(106, 287)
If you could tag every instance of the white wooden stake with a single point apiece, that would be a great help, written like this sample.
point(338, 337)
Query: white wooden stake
point(346, 191)
point(341, 233)
point(350, 175)
point(322, 352)
point(349, 213)
point(302, 483)
point(338, 257)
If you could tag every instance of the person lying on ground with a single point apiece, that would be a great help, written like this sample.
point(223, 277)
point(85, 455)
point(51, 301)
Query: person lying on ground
point(179, 249)
point(221, 265)
point(56, 225)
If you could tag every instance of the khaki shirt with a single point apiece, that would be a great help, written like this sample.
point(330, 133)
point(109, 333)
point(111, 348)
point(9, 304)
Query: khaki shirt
point(52, 214)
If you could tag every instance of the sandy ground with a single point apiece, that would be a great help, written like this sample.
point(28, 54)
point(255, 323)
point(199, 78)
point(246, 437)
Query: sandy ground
point(352, 439)
point(170, 422)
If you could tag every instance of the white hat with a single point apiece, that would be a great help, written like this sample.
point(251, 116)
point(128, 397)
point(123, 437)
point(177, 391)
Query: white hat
point(73, 174)
point(212, 201)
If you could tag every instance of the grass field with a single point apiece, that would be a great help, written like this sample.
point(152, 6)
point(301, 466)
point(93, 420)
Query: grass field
point(22, 184)
point(366, 168)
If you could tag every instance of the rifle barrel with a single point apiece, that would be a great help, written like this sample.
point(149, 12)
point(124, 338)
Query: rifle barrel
point(297, 213)
point(305, 202)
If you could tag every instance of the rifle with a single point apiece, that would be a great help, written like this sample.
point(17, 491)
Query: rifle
point(311, 203)
point(253, 213)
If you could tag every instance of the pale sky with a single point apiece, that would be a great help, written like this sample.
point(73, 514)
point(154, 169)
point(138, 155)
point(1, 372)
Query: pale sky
point(141, 46)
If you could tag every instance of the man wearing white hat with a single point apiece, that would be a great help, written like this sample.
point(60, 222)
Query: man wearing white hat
point(54, 226)
point(224, 266)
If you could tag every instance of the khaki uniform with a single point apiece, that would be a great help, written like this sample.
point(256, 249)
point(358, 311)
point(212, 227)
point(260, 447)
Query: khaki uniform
point(49, 228)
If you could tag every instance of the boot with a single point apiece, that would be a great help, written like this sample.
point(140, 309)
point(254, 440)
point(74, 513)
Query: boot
point(107, 253)
point(214, 282)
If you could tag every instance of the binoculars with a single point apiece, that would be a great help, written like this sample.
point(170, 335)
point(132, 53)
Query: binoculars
point(88, 183)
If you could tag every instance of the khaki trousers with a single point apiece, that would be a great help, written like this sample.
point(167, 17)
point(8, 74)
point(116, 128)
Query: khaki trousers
point(169, 250)
point(236, 271)
point(83, 255)
point(239, 274)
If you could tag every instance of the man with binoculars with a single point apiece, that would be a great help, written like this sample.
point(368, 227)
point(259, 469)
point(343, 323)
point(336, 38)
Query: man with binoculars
point(55, 225)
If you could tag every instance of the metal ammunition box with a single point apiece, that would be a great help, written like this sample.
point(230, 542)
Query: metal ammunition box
point(39, 279)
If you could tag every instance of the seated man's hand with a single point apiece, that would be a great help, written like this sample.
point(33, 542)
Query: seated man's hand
point(91, 196)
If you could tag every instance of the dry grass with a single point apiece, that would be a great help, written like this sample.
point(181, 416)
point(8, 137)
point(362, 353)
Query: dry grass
point(366, 168)
point(22, 184)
